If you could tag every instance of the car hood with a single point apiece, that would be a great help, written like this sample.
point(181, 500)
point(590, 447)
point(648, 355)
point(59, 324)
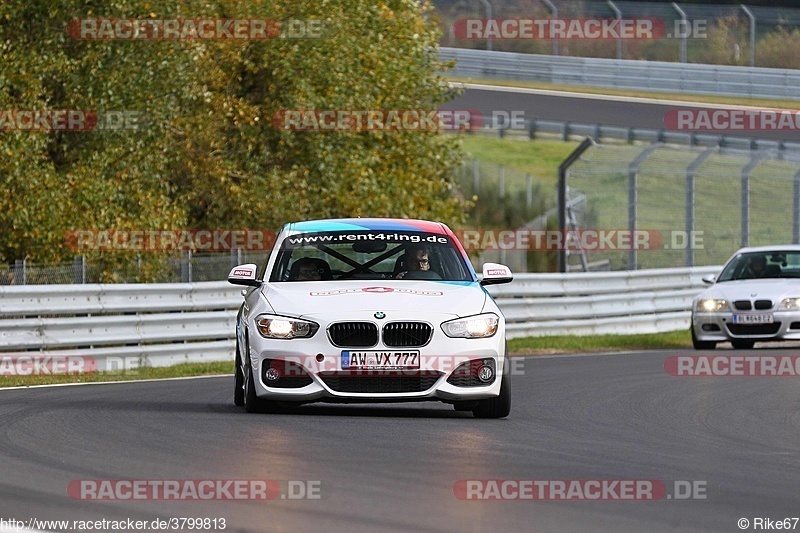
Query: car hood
point(761, 289)
point(312, 298)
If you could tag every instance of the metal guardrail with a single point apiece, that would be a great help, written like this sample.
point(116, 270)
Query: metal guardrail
point(600, 303)
point(602, 133)
point(167, 324)
point(679, 78)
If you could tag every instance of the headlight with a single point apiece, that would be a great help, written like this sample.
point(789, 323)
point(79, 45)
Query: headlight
point(472, 327)
point(281, 327)
point(711, 305)
point(790, 304)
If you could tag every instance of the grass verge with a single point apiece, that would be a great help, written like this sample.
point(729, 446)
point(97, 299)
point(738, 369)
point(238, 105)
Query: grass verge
point(694, 98)
point(524, 346)
point(599, 343)
point(177, 371)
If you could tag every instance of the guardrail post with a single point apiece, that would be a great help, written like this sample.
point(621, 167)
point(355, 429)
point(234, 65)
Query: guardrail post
point(633, 172)
point(532, 130)
point(563, 172)
point(690, 174)
point(19, 272)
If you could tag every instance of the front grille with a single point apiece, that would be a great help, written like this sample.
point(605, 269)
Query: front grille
point(754, 329)
point(407, 334)
point(466, 375)
point(742, 305)
point(353, 334)
point(763, 304)
point(380, 381)
point(293, 375)
point(794, 325)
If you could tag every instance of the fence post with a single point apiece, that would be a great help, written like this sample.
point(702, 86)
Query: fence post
point(529, 191)
point(563, 172)
point(752, 34)
point(685, 32)
point(554, 14)
point(78, 272)
point(618, 15)
point(796, 209)
point(186, 266)
point(690, 174)
point(633, 174)
point(19, 272)
point(746, 171)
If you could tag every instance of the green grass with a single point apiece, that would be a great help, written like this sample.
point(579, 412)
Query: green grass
point(523, 346)
point(182, 370)
point(599, 343)
point(602, 173)
point(539, 158)
point(696, 98)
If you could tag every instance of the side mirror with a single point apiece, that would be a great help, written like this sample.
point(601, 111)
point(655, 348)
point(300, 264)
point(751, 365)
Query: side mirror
point(710, 279)
point(494, 274)
point(244, 275)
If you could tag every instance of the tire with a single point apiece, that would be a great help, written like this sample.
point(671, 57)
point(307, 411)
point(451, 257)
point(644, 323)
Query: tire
point(238, 380)
point(252, 403)
point(743, 345)
point(701, 345)
point(500, 406)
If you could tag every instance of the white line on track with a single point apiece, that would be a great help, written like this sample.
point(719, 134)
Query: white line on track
point(111, 383)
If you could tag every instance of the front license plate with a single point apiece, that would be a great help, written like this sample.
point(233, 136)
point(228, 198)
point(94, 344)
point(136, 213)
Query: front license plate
point(760, 318)
point(352, 360)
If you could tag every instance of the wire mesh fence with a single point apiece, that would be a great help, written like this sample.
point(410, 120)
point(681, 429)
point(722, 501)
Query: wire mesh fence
point(186, 268)
point(687, 206)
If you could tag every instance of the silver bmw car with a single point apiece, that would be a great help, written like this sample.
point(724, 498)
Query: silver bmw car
point(755, 298)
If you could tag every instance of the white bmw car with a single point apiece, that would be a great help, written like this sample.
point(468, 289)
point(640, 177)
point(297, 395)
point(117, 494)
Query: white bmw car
point(370, 310)
point(756, 297)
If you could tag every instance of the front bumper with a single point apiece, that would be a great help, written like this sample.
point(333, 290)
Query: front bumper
point(719, 327)
point(315, 372)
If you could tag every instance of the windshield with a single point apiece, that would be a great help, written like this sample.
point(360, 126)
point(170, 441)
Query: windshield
point(760, 265)
point(369, 255)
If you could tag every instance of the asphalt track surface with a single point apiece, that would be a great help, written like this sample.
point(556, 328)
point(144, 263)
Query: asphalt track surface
point(393, 467)
point(587, 109)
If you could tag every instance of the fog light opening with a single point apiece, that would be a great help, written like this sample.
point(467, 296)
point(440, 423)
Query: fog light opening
point(272, 374)
point(486, 373)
